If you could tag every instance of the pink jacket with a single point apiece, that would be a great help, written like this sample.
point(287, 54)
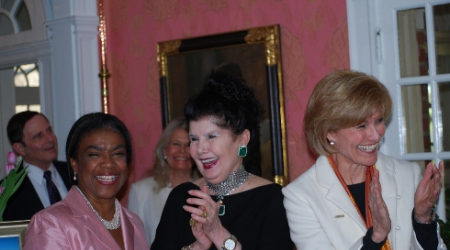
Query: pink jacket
point(71, 224)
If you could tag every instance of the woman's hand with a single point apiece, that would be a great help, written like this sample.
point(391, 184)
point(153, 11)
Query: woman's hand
point(208, 228)
point(203, 242)
point(380, 214)
point(427, 193)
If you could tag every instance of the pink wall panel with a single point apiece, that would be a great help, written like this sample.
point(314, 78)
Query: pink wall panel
point(314, 42)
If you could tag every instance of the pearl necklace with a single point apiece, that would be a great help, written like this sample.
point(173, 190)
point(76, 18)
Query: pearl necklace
point(231, 183)
point(110, 225)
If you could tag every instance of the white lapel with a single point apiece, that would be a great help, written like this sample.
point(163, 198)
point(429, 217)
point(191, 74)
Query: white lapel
point(336, 193)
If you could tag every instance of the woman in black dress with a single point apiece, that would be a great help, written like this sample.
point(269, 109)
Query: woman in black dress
point(228, 208)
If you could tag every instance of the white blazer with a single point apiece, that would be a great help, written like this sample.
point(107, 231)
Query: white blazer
point(321, 215)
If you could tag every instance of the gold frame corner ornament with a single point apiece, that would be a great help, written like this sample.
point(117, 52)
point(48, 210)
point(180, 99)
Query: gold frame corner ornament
point(269, 35)
point(164, 49)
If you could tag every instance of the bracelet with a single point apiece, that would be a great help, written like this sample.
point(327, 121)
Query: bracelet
point(417, 220)
point(433, 216)
point(190, 247)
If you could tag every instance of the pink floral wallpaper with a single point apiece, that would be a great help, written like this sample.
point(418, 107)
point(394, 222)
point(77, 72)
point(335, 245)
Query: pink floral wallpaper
point(314, 42)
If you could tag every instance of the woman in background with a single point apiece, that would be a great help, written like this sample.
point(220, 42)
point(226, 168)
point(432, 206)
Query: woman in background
point(228, 208)
point(355, 197)
point(99, 150)
point(173, 166)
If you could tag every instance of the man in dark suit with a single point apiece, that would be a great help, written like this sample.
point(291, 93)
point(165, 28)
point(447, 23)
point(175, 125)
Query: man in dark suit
point(31, 136)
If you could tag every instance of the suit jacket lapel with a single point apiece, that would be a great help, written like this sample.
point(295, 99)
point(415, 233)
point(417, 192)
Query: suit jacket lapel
point(336, 193)
point(127, 229)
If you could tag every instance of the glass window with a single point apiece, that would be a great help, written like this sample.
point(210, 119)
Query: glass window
point(442, 37)
point(5, 25)
point(444, 102)
point(14, 19)
point(23, 18)
point(412, 42)
point(417, 118)
point(26, 82)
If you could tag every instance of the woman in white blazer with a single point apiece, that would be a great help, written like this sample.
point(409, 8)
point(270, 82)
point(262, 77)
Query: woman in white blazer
point(354, 197)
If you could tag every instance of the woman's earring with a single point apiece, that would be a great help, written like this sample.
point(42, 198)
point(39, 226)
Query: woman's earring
point(332, 143)
point(74, 176)
point(242, 151)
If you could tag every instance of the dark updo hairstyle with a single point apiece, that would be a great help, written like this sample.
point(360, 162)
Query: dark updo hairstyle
point(94, 122)
point(230, 100)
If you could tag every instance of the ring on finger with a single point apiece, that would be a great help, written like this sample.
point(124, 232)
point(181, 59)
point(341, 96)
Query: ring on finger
point(205, 214)
point(192, 222)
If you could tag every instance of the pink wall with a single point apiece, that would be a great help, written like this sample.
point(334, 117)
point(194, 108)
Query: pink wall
point(314, 42)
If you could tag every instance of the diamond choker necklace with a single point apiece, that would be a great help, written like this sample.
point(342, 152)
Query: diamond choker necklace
point(234, 181)
point(110, 225)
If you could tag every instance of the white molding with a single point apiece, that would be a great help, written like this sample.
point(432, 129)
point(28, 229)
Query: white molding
point(23, 53)
point(76, 86)
point(361, 36)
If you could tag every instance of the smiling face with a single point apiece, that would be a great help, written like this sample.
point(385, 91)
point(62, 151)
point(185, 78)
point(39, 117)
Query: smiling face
point(101, 164)
point(359, 145)
point(177, 151)
point(214, 149)
point(40, 146)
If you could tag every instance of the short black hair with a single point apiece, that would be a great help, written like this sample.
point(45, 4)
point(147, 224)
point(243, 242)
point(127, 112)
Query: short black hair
point(16, 124)
point(229, 99)
point(93, 122)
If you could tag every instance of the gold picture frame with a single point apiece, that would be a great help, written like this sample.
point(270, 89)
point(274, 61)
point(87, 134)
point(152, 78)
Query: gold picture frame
point(185, 63)
point(12, 234)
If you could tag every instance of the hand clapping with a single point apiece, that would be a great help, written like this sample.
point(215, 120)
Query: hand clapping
point(427, 193)
point(380, 214)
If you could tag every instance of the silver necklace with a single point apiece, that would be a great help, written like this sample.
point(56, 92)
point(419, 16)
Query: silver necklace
point(231, 183)
point(110, 225)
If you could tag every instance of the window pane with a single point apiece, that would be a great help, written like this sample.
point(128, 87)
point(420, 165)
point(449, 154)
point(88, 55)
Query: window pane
point(447, 187)
point(33, 78)
point(5, 25)
point(26, 81)
point(35, 107)
point(444, 102)
point(26, 75)
point(20, 79)
point(417, 118)
point(442, 37)
point(23, 18)
point(412, 42)
point(21, 108)
point(6, 4)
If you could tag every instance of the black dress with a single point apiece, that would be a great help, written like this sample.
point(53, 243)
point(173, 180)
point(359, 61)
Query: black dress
point(256, 217)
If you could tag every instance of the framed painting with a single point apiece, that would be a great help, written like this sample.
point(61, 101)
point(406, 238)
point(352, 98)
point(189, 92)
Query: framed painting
point(12, 234)
point(184, 65)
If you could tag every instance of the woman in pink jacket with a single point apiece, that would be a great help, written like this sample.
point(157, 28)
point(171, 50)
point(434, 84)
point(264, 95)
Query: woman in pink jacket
point(90, 217)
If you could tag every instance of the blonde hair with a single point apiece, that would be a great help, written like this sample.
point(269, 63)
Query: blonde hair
point(343, 99)
point(160, 167)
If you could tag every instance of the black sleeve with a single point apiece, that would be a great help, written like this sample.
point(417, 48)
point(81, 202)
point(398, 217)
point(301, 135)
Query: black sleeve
point(369, 244)
point(426, 234)
point(173, 230)
point(275, 233)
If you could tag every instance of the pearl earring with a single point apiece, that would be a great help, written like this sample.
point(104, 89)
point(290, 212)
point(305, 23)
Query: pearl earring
point(332, 143)
point(74, 176)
